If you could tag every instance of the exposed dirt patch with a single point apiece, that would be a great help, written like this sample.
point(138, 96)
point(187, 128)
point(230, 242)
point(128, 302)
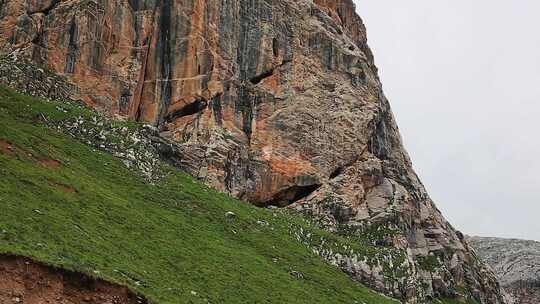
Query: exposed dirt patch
point(6, 148)
point(25, 281)
point(66, 188)
point(50, 163)
point(10, 149)
point(63, 187)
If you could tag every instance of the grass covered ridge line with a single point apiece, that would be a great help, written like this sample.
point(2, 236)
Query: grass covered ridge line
point(68, 205)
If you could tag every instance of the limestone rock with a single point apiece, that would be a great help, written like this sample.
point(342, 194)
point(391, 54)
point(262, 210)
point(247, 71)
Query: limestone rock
point(517, 265)
point(275, 102)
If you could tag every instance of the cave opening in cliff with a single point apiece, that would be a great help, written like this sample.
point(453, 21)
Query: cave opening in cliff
point(290, 195)
point(190, 109)
point(336, 173)
point(259, 78)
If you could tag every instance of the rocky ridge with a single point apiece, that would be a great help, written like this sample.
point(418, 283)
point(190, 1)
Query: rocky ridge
point(517, 265)
point(275, 102)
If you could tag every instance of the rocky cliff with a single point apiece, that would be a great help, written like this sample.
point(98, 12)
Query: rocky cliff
point(516, 263)
point(275, 102)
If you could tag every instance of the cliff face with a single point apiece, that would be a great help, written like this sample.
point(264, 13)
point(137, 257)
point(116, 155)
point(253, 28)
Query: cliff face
point(517, 265)
point(275, 102)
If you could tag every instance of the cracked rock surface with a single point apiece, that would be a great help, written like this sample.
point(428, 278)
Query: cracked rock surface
point(275, 102)
point(517, 265)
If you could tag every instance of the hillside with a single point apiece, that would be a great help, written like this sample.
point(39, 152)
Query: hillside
point(517, 265)
point(68, 205)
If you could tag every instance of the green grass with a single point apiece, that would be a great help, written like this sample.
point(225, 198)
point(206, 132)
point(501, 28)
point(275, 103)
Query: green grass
point(170, 242)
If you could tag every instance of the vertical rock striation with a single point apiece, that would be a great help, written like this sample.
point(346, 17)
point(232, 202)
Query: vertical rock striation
point(275, 102)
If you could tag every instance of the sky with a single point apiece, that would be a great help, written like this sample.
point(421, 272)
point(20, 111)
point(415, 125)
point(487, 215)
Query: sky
point(463, 79)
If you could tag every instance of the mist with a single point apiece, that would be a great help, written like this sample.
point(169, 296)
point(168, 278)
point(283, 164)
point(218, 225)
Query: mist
point(463, 79)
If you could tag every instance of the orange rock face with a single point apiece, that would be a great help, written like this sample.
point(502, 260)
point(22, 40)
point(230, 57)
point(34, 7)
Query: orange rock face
point(275, 102)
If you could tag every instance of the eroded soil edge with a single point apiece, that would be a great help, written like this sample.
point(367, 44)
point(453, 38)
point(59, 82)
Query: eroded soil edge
point(23, 280)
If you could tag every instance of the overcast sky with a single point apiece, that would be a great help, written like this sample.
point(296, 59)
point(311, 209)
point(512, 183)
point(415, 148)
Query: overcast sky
point(463, 79)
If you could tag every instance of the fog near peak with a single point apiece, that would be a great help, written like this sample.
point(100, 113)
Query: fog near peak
point(463, 79)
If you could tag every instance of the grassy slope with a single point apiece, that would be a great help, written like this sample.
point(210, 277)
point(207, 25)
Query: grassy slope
point(172, 242)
